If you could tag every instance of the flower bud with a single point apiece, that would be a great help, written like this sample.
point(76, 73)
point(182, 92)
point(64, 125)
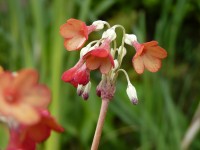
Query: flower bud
point(98, 89)
point(80, 89)
point(99, 24)
point(130, 38)
point(131, 92)
point(109, 34)
point(85, 94)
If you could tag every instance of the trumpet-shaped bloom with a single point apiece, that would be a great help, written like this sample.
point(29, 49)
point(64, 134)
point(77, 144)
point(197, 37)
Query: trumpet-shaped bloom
point(75, 33)
point(79, 74)
point(148, 55)
point(100, 57)
point(21, 97)
point(26, 137)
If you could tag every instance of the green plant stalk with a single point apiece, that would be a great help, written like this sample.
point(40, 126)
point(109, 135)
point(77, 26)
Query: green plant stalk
point(37, 12)
point(14, 27)
point(56, 63)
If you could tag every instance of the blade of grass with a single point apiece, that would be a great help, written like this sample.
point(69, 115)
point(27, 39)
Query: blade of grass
point(56, 65)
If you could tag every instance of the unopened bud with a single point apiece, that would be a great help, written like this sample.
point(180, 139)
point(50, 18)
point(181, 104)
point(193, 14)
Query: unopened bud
point(122, 50)
point(99, 24)
point(131, 92)
point(98, 89)
point(85, 94)
point(109, 34)
point(130, 38)
point(116, 64)
point(80, 89)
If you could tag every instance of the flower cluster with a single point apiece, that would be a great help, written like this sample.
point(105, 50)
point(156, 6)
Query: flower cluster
point(100, 55)
point(23, 107)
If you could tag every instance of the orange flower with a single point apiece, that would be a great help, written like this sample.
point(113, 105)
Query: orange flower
point(75, 33)
point(21, 97)
point(148, 55)
point(26, 137)
point(100, 57)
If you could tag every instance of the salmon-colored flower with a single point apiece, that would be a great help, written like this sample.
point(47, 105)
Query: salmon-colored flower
point(79, 74)
point(100, 57)
point(75, 33)
point(21, 97)
point(26, 137)
point(148, 55)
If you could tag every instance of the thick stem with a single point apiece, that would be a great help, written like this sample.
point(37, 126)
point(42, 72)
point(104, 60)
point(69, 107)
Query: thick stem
point(102, 115)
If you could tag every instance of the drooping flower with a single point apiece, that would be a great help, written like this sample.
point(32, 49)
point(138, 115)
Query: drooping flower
point(75, 33)
point(148, 55)
point(26, 137)
point(100, 57)
point(79, 74)
point(21, 97)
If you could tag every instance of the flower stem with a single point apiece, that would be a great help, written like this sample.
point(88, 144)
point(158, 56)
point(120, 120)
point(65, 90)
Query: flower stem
point(99, 127)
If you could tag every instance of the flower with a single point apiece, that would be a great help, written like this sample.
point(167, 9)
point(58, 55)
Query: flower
point(26, 137)
point(21, 97)
point(148, 55)
point(79, 74)
point(75, 33)
point(100, 57)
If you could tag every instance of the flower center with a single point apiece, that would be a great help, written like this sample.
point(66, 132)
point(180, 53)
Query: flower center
point(11, 95)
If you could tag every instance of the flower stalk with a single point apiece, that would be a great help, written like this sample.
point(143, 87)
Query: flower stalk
point(100, 123)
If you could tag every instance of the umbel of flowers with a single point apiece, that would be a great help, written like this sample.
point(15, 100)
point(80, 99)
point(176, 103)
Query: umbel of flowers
point(104, 55)
point(23, 108)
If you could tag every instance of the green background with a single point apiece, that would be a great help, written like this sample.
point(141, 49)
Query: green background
point(168, 99)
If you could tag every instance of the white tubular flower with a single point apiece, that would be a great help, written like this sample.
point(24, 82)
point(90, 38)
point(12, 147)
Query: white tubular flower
point(122, 50)
point(99, 24)
point(131, 92)
point(130, 38)
point(109, 34)
point(85, 94)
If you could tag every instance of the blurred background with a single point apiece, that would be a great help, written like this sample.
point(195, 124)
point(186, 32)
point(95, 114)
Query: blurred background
point(168, 100)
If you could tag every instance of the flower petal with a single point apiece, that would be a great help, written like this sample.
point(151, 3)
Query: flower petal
point(105, 66)
point(138, 64)
point(39, 96)
point(74, 43)
point(150, 44)
point(93, 63)
point(102, 53)
point(25, 114)
point(24, 80)
point(68, 31)
point(157, 51)
point(152, 64)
